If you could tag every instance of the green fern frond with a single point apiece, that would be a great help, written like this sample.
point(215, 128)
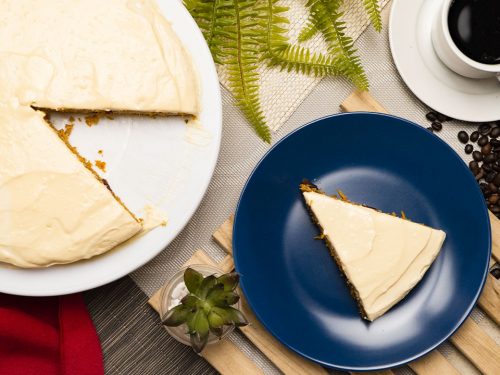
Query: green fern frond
point(372, 7)
point(327, 17)
point(308, 31)
point(191, 4)
point(281, 53)
point(241, 58)
point(302, 60)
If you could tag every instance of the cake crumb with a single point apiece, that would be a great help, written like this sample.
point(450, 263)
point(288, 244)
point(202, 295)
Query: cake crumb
point(403, 215)
point(101, 165)
point(65, 133)
point(71, 119)
point(110, 116)
point(342, 196)
point(100, 152)
point(79, 119)
point(92, 120)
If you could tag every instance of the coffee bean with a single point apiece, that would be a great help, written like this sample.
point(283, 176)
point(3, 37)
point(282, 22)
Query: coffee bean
point(495, 273)
point(431, 116)
point(496, 167)
point(490, 158)
point(496, 180)
point(469, 149)
point(441, 117)
point(490, 177)
point(437, 126)
point(495, 132)
point(487, 167)
point(473, 165)
point(493, 199)
point(486, 149)
point(482, 141)
point(495, 209)
point(474, 136)
point(495, 142)
point(484, 129)
point(477, 156)
point(463, 137)
point(493, 188)
point(479, 175)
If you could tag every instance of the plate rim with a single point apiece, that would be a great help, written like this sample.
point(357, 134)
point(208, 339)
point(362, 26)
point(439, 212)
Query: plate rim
point(91, 283)
point(445, 337)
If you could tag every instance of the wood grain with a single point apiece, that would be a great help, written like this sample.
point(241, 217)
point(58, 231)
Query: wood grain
point(495, 237)
point(433, 363)
point(224, 356)
point(478, 347)
point(362, 101)
point(224, 235)
point(490, 299)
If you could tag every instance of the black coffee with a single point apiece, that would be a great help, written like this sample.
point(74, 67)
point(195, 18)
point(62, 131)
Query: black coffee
point(475, 28)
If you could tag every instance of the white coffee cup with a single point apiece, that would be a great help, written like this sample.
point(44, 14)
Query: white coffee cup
point(449, 53)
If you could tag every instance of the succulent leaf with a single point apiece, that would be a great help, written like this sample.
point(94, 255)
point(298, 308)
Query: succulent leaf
point(229, 280)
point(231, 316)
point(217, 331)
point(206, 285)
point(190, 301)
point(176, 316)
point(215, 320)
point(198, 330)
point(222, 298)
point(192, 279)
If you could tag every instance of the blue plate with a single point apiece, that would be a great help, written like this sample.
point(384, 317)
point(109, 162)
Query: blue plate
point(293, 285)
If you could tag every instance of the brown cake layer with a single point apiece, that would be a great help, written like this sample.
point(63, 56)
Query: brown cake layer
point(307, 186)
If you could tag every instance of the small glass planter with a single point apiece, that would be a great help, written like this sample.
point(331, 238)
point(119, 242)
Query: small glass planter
point(166, 302)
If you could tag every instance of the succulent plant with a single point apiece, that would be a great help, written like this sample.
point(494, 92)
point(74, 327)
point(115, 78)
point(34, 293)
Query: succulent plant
point(207, 307)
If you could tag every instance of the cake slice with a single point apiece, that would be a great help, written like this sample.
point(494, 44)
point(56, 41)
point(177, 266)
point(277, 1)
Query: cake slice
point(94, 55)
point(53, 209)
point(382, 256)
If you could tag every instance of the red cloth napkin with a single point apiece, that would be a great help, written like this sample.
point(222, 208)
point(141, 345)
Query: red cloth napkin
point(48, 336)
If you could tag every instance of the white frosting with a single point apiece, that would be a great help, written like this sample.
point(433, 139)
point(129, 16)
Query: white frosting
point(383, 256)
point(52, 208)
point(94, 55)
point(119, 55)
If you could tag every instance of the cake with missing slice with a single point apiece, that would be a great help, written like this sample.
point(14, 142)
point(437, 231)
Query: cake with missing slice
point(87, 56)
point(381, 256)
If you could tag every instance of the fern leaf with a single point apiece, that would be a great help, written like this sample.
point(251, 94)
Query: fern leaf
point(191, 4)
point(372, 7)
point(241, 61)
point(308, 32)
point(327, 17)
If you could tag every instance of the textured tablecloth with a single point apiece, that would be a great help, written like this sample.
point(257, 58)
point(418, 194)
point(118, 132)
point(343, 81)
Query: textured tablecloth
point(133, 341)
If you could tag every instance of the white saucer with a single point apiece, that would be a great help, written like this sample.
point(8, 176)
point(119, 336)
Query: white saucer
point(430, 80)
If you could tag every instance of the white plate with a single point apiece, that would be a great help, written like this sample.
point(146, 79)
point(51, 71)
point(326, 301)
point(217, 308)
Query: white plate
point(432, 82)
point(160, 162)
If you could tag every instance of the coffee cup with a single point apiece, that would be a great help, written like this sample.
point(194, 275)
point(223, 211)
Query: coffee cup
point(451, 55)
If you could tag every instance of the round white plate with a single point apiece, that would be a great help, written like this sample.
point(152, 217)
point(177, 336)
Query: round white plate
point(430, 80)
point(160, 162)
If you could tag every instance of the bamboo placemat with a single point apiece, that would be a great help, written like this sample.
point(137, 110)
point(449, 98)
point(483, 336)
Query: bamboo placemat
point(471, 340)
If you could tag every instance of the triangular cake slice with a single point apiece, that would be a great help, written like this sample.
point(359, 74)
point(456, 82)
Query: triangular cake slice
point(382, 256)
point(94, 55)
point(53, 209)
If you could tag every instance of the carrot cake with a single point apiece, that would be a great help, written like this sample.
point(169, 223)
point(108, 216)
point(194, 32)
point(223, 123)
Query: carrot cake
point(382, 256)
point(80, 55)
